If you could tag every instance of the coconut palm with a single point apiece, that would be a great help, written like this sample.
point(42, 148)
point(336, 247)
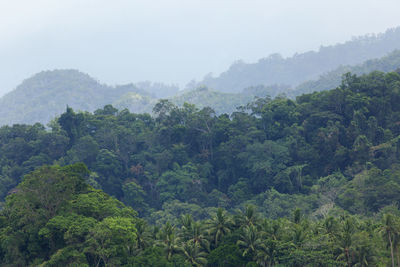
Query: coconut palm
point(172, 245)
point(155, 232)
point(363, 250)
point(345, 239)
point(330, 226)
point(186, 221)
point(193, 254)
point(271, 229)
point(219, 225)
point(196, 235)
point(269, 233)
point(389, 230)
point(396, 246)
point(250, 241)
point(169, 240)
point(248, 217)
point(268, 253)
point(143, 236)
point(297, 216)
point(299, 235)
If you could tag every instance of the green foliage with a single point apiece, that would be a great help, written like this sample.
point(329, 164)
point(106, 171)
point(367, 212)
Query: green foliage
point(182, 184)
point(271, 153)
point(153, 256)
point(226, 256)
point(54, 217)
point(305, 182)
point(111, 240)
point(134, 196)
point(86, 227)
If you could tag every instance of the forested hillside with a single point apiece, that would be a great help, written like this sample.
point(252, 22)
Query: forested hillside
point(308, 182)
point(333, 78)
point(302, 67)
point(225, 102)
point(53, 218)
point(46, 95)
point(229, 102)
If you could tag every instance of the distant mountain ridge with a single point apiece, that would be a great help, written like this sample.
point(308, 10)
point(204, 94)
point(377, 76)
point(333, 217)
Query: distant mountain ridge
point(48, 93)
point(223, 102)
point(302, 67)
point(332, 79)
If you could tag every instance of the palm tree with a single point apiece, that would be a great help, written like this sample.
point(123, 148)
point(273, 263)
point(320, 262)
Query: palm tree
point(396, 246)
point(389, 230)
point(364, 251)
point(330, 226)
point(297, 216)
point(143, 236)
point(345, 239)
point(250, 241)
point(169, 240)
point(194, 255)
point(268, 252)
point(172, 245)
point(186, 221)
point(219, 225)
point(196, 235)
point(299, 235)
point(248, 217)
point(270, 232)
point(155, 232)
point(271, 229)
point(166, 230)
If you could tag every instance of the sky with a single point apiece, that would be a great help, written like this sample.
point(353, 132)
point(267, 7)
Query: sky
point(172, 41)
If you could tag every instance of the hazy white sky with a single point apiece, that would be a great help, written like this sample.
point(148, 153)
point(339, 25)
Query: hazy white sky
point(172, 41)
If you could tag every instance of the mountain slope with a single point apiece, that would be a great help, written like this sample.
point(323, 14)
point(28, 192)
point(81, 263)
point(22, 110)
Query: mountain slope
point(135, 102)
point(333, 78)
point(302, 67)
point(222, 102)
point(46, 95)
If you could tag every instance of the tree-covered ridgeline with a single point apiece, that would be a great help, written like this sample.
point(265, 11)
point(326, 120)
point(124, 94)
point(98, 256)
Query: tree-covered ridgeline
point(301, 67)
point(332, 154)
point(45, 95)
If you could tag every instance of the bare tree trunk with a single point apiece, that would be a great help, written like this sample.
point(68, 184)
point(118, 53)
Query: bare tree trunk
point(398, 257)
point(98, 262)
point(348, 257)
point(391, 248)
